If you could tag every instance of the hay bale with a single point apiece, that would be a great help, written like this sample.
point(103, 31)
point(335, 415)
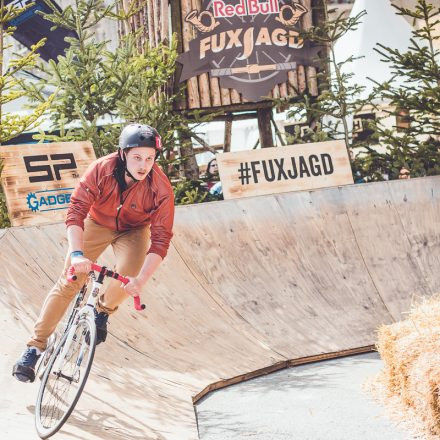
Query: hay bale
point(423, 389)
point(410, 350)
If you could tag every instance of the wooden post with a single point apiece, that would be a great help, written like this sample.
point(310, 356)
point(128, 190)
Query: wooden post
point(292, 85)
point(235, 97)
point(225, 96)
point(176, 26)
point(150, 24)
point(265, 127)
point(302, 83)
point(310, 72)
point(228, 134)
point(164, 25)
point(283, 90)
point(156, 15)
point(205, 95)
point(215, 92)
point(190, 169)
point(187, 36)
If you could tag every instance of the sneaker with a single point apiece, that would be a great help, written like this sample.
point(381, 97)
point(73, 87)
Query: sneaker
point(24, 369)
point(101, 326)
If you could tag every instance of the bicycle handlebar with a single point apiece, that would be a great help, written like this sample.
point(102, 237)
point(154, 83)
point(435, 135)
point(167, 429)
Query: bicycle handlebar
point(108, 273)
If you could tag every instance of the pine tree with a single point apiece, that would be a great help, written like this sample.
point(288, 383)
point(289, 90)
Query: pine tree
point(12, 88)
point(99, 91)
point(329, 114)
point(88, 85)
point(417, 98)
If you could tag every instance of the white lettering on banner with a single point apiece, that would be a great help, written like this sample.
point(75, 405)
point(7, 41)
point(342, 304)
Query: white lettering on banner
point(249, 39)
point(245, 7)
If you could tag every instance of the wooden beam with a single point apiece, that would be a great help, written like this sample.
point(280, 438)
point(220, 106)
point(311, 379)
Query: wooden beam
point(277, 131)
point(187, 36)
point(236, 116)
point(176, 26)
point(265, 128)
point(205, 146)
point(280, 366)
point(228, 134)
point(211, 148)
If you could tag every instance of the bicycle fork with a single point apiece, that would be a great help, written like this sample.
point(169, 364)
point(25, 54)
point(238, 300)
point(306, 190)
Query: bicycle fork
point(71, 337)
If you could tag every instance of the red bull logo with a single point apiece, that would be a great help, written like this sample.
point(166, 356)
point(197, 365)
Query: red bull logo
point(245, 7)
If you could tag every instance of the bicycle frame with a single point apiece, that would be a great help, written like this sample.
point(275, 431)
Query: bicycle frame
point(97, 284)
point(104, 272)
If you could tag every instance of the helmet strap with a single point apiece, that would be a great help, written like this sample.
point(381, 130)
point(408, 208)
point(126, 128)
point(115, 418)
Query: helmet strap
point(124, 161)
point(129, 174)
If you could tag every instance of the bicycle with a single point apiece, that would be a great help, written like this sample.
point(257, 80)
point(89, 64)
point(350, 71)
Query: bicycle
point(67, 363)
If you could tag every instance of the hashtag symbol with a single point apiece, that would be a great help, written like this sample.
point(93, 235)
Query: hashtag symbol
point(244, 175)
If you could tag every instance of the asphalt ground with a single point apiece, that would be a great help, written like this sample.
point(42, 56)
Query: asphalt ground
point(320, 401)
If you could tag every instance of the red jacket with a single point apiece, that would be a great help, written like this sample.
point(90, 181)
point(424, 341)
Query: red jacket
point(148, 202)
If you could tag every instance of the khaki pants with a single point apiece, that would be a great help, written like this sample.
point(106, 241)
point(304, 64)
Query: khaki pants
point(130, 248)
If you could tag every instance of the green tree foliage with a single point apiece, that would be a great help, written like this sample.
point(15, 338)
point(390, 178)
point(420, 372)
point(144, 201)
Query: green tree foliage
point(193, 191)
point(417, 97)
point(328, 115)
point(100, 90)
point(11, 88)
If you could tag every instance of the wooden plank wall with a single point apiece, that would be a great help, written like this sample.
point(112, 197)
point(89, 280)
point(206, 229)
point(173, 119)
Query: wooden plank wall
point(40, 183)
point(249, 286)
point(204, 91)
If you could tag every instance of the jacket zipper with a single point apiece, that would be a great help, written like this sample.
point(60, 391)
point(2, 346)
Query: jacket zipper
point(121, 201)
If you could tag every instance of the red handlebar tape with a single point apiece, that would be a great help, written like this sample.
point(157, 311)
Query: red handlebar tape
point(72, 277)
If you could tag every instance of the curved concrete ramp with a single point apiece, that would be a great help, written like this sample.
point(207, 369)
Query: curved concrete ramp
point(249, 286)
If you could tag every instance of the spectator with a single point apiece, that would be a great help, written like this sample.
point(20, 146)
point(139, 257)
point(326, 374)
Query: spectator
point(211, 175)
point(404, 173)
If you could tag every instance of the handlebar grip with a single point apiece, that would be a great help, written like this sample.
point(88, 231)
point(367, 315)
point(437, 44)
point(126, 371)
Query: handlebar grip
point(137, 303)
point(71, 277)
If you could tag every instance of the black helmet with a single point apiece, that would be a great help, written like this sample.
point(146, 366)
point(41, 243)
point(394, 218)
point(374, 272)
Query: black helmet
point(140, 135)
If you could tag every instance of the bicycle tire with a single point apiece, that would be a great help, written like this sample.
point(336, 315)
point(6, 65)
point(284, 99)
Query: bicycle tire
point(44, 428)
point(56, 336)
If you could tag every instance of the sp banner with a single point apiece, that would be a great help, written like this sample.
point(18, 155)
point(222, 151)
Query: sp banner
point(38, 179)
point(283, 169)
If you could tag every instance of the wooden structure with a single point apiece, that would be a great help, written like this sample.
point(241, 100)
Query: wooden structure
point(38, 179)
point(284, 169)
point(204, 91)
point(249, 286)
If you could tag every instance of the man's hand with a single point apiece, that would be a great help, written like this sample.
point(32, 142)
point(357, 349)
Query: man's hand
point(134, 286)
point(81, 264)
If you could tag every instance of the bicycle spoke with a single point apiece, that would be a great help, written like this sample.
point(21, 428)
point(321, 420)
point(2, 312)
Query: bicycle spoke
point(60, 389)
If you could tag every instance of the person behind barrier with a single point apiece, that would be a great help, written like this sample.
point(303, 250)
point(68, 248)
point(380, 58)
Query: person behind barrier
point(211, 176)
point(124, 200)
point(404, 173)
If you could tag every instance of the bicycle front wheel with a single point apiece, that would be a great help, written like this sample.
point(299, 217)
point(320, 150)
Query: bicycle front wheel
point(64, 379)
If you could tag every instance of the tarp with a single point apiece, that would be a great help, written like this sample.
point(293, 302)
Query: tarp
point(31, 27)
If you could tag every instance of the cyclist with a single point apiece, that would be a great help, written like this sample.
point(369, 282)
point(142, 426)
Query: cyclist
point(122, 199)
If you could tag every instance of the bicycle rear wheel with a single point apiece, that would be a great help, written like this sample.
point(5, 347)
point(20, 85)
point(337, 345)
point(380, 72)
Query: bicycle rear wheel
point(60, 390)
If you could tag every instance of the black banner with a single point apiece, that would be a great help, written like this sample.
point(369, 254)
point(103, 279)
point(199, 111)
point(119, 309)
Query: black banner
point(250, 45)
point(32, 27)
